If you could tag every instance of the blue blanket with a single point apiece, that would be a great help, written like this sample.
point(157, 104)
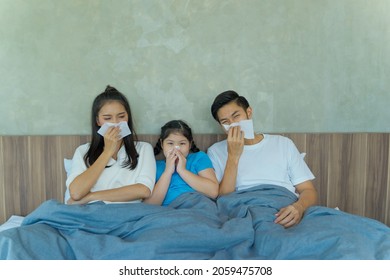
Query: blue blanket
point(236, 226)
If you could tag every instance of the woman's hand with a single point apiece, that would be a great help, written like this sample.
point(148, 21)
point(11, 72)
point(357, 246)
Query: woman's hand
point(112, 140)
point(84, 200)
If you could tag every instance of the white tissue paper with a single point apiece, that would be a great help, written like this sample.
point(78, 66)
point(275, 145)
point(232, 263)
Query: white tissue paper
point(125, 130)
point(246, 126)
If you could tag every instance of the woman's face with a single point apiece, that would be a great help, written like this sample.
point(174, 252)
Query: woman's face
point(176, 141)
point(112, 112)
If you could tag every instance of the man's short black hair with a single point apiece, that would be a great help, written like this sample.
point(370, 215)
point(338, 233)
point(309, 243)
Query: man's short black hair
point(226, 97)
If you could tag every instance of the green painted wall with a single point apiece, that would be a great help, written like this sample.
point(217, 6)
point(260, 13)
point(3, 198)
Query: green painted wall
point(304, 65)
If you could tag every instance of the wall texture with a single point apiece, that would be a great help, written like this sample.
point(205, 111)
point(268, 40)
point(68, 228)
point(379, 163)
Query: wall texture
point(304, 65)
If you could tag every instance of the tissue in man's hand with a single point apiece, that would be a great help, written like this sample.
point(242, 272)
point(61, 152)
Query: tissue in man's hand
point(125, 130)
point(245, 125)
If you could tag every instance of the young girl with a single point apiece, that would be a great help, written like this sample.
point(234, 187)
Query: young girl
point(111, 168)
point(185, 168)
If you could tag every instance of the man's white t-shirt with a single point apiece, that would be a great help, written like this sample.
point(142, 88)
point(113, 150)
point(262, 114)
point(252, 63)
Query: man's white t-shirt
point(275, 160)
point(116, 175)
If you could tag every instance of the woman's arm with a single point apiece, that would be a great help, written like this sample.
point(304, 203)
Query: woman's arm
point(84, 182)
point(122, 194)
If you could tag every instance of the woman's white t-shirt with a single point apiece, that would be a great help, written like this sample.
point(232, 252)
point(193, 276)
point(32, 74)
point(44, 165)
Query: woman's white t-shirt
point(116, 175)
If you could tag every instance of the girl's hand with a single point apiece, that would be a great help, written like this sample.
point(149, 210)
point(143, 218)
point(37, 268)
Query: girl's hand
point(170, 162)
point(112, 140)
point(182, 161)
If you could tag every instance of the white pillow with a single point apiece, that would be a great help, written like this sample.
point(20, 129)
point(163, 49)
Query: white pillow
point(68, 167)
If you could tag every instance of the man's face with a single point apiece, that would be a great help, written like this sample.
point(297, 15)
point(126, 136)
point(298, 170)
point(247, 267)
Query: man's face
point(232, 113)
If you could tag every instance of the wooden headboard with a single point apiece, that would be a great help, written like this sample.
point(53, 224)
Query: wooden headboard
point(352, 169)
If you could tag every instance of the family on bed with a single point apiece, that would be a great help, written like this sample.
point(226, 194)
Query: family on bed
point(250, 196)
point(121, 169)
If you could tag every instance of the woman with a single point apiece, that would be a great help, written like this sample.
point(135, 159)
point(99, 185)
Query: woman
point(111, 168)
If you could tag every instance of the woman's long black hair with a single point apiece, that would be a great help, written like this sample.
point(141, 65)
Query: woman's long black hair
point(175, 126)
point(97, 142)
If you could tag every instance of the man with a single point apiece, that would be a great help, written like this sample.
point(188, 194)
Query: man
point(242, 163)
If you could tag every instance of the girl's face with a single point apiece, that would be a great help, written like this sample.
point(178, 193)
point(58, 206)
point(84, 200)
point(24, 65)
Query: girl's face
point(176, 141)
point(112, 112)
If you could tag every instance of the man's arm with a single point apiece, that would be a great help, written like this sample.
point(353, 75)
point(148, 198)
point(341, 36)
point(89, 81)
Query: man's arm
point(235, 146)
point(292, 214)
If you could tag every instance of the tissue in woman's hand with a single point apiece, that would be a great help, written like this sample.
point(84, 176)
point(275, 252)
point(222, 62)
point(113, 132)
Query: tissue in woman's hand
point(245, 125)
point(125, 130)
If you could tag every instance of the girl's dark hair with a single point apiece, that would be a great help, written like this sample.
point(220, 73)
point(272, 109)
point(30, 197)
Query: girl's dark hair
point(97, 143)
point(226, 97)
point(175, 126)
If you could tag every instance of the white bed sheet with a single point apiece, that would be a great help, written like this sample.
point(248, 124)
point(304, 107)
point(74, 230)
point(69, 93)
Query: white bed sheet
point(13, 221)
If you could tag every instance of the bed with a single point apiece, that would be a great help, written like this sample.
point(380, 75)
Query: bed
point(351, 174)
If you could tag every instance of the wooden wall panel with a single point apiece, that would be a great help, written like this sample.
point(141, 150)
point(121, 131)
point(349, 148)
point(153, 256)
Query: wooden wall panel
point(15, 173)
point(35, 187)
point(352, 169)
point(387, 198)
point(2, 183)
point(376, 190)
point(317, 158)
point(354, 172)
point(335, 194)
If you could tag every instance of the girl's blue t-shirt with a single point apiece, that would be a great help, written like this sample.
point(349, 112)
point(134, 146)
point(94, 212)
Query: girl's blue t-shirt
point(196, 162)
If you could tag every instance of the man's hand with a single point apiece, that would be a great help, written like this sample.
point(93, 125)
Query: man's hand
point(235, 142)
point(235, 147)
point(290, 215)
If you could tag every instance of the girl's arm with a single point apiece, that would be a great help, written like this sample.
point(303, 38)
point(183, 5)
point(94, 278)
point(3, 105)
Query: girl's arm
point(205, 181)
point(160, 189)
point(162, 185)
